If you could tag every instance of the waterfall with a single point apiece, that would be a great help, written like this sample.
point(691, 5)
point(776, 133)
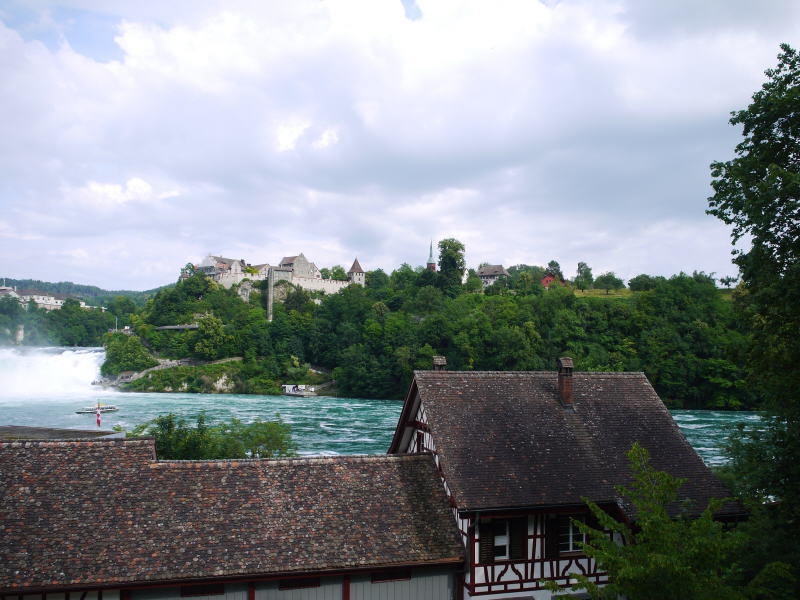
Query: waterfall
point(48, 372)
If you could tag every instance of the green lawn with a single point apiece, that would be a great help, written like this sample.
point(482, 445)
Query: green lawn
point(623, 293)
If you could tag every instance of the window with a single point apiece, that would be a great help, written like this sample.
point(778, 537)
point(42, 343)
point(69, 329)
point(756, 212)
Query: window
point(500, 537)
point(393, 575)
point(569, 536)
point(503, 539)
point(209, 589)
point(296, 584)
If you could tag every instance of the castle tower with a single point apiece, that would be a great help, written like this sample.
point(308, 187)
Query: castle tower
point(431, 262)
point(356, 273)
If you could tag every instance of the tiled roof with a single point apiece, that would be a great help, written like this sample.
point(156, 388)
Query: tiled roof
point(505, 440)
point(77, 513)
point(288, 260)
point(356, 268)
point(21, 432)
point(491, 271)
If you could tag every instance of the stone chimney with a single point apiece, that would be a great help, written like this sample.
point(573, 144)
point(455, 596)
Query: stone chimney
point(439, 363)
point(565, 380)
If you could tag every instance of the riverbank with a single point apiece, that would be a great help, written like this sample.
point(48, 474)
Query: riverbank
point(226, 376)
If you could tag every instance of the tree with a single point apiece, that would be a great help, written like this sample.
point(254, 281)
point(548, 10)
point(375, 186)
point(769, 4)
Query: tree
point(125, 353)
point(728, 281)
point(175, 440)
point(451, 266)
point(584, 279)
point(663, 557)
point(608, 281)
point(642, 283)
point(758, 193)
point(212, 337)
point(554, 269)
point(338, 273)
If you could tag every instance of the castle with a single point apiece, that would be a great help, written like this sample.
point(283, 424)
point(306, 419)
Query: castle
point(297, 270)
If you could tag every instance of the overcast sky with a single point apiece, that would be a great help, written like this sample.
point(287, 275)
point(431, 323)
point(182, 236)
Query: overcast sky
point(137, 136)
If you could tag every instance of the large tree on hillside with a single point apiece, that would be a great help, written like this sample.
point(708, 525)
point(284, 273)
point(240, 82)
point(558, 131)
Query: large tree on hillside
point(451, 265)
point(758, 193)
point(584, 278)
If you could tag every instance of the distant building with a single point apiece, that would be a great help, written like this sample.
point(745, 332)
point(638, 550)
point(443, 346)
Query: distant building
point(488, 274)
point(431, 265)
point(548, 279)
point(297, 270)
point(45, 301)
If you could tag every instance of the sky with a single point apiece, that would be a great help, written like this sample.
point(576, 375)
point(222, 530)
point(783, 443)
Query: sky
point(138, 136)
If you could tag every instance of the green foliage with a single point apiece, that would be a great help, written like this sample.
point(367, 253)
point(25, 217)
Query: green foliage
point(211, 338)
point(758, 194)
point(338, 272)
point(91, 294)
point(451, 266)
point(231, 377)
point(608, 281)
point(642, 283)
point(584, 279)
point(175, 440)
point(125, 353)
point(665, 557)
point(680, 333)
point(554, 269)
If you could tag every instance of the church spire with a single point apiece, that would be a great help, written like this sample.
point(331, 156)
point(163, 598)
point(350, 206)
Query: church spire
point(431, 262)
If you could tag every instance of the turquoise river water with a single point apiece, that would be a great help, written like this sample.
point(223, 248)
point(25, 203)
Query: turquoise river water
point(45, 386)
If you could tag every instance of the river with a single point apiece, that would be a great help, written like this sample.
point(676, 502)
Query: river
point(44, 387)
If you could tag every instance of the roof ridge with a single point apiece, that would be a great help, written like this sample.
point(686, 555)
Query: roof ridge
point(31, 443)
point(521, 373)
point(294, 460)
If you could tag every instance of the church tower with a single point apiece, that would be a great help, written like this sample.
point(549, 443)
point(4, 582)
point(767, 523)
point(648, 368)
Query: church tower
point(431, 262)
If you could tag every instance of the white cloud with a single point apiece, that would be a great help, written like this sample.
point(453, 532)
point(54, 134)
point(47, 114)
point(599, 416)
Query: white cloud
point(575, 130)
point(108, 196)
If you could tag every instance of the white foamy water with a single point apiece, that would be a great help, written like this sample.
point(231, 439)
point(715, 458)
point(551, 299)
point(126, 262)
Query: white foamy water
point(36, 373)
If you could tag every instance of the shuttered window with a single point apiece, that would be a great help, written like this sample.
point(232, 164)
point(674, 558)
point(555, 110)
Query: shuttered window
point(518, 544)
point(486, 542)
point(503, 539)
point(551, 527)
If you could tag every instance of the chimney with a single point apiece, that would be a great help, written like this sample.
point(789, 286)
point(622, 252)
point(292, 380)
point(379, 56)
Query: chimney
point(439, 363)
point(565, 380)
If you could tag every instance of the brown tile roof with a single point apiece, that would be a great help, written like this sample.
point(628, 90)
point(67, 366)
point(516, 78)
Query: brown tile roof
point(21, 432)
point(106, 512)
point(491, 270)
point(356, 268)
point(505, 440)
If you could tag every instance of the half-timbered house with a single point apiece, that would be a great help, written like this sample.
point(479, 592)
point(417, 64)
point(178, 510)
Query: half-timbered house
point(517, 453)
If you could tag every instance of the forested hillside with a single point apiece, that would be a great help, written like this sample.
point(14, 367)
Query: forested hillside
point(90, 294)
point(681, 332)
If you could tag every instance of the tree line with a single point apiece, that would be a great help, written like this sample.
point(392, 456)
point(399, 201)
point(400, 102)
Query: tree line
point(681, 331)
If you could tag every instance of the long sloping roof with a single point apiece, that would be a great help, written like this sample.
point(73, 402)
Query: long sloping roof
point(78, 513)
point(504, 439)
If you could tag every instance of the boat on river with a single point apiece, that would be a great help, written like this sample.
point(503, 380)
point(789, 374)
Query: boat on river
point(103, 408)
point(304, 391)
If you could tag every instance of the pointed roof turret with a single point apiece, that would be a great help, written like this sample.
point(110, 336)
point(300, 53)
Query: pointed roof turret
point(356, 268)
point(430, 255)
